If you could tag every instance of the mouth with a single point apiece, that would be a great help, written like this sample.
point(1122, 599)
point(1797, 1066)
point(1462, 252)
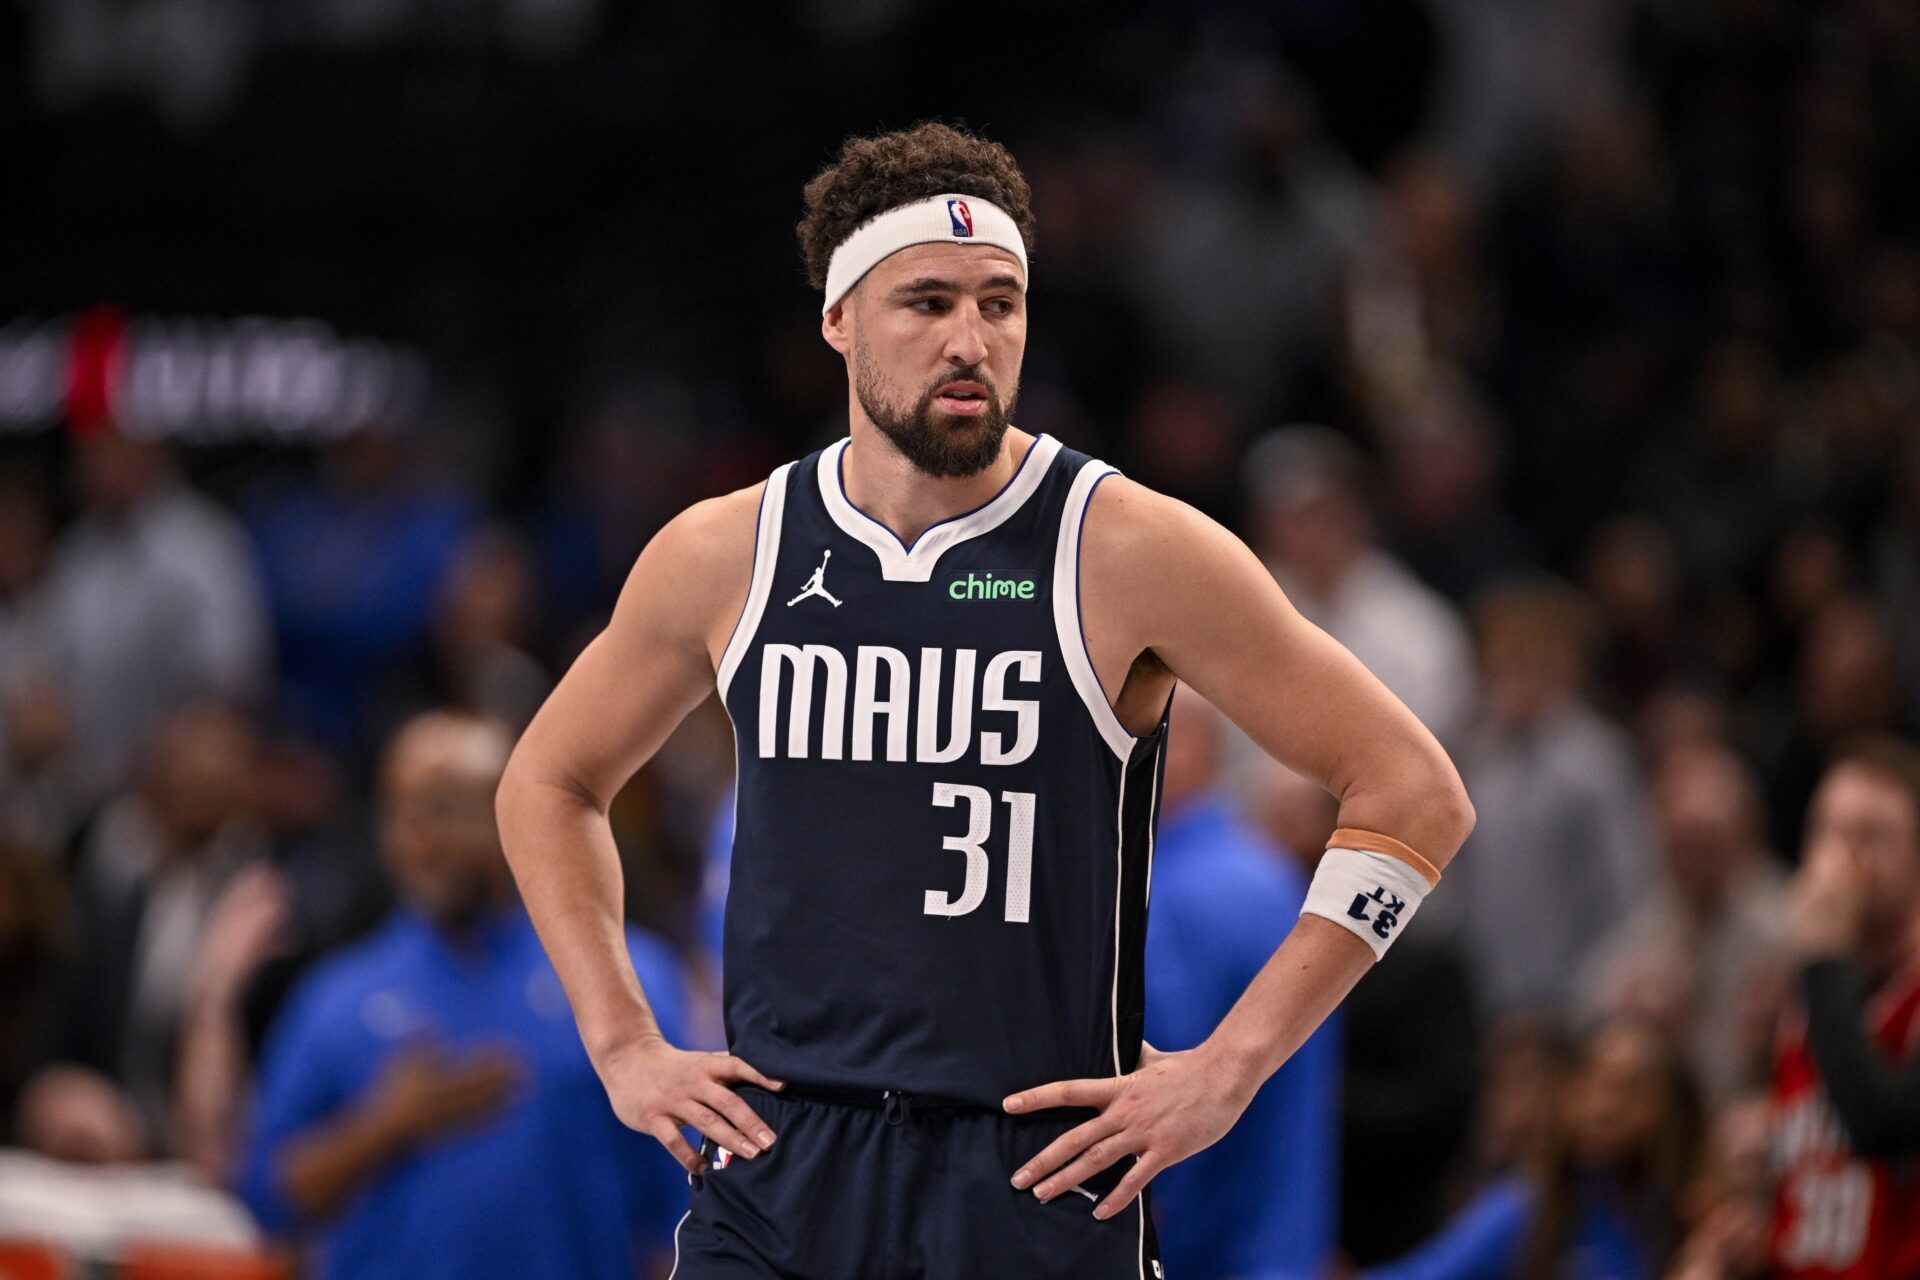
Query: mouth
point(965, 398)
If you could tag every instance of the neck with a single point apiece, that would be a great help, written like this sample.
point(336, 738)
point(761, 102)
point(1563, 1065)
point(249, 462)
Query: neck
point(881, 482)
point(463, 925)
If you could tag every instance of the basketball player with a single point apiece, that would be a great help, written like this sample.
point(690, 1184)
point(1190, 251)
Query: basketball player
point(948, 647)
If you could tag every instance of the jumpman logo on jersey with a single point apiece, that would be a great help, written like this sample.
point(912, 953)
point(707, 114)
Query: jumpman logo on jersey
point(816, 584)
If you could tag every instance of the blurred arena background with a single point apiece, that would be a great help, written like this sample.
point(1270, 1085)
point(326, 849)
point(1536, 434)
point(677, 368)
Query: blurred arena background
point(1562, 359)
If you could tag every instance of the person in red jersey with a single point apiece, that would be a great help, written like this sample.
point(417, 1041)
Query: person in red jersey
point(1846, 1079)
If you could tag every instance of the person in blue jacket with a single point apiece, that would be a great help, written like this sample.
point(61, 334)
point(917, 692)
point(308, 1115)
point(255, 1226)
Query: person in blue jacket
point(1264, 1200)
point(424, 1107)
point(1604, 1198)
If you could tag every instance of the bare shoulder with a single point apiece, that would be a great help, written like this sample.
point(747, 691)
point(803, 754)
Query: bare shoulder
point(716, 533)
point(1160, 577)
point(1144, 535)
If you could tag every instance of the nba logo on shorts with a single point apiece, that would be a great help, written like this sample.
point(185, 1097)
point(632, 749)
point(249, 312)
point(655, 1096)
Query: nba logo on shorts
point(962, 218)
point(722, 1157)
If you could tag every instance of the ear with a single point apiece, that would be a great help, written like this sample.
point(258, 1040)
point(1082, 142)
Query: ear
point(833, 326)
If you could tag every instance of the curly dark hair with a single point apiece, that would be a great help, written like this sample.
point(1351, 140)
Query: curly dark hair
point(880, 173)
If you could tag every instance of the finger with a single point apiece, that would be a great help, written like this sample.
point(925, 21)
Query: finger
point(734, 1107)
point(715, 1126)
point(1130, 1186)
point(1065, 1093)
point(1091, 1161)
point(1064, 1148)
point(729, 1067)
point(668, 1135)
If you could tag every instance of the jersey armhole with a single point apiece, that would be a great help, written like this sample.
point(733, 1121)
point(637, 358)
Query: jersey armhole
point(766, 551)
point(1066, 609)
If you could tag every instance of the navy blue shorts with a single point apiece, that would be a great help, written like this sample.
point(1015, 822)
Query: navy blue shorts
point(862, 1191)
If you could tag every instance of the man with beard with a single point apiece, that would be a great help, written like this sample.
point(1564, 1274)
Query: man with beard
point(948, 647)
point(1846, 1072)
point(424, 1107)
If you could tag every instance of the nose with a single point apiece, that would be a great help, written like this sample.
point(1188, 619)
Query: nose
point(966, 335)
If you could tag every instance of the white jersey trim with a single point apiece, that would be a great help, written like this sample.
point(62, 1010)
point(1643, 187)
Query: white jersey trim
point(1066, 610)
point(900, 563)
point(766, 554)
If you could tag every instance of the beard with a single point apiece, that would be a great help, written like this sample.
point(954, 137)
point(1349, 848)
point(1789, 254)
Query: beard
point(936, 442)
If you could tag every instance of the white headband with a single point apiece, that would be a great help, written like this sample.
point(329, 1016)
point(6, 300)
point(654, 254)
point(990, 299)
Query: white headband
point(955, 219)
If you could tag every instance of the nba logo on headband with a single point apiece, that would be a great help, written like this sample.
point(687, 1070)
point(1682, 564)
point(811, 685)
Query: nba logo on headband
point(952, 217)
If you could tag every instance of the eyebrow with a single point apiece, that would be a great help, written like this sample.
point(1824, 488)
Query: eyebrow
point(934, 284)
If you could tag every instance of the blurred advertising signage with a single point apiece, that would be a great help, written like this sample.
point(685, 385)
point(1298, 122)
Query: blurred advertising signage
point(200, 380)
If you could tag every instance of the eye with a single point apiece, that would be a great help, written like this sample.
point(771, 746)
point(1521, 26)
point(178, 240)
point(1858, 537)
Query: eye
point(931, 304)
point(999, 306)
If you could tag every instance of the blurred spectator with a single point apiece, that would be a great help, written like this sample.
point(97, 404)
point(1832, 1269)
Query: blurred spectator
point(354, 560)
point(1896, 561)
point(77, 1116)
point(1633, 576)
point(480, 637)
point(1846, 1081)
point(33, 939)
point(1442, 469)
point(37, 800)
point(1265, 1197)
point(1599, 303)
point(26, 546)
point(1237, 238)
point(1185, 436)
point(247, 925)
point(40, 802)
point(1847, 682)
point(1729, 493)
point(154, 863)
point(1730, 1204)
point(1704, 952)
point(1562, 845)
point(1603, 1202)
point(154, 601)
point(1416, 297)
point(1313, 526)
point(621, 468)
point(425, 1106)
point(1524, 1057)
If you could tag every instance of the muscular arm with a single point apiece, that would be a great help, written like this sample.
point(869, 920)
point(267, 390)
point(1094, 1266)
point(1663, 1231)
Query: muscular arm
point(1215, 618)
point(625, 693)
point(623, 696)
point(1166, 592)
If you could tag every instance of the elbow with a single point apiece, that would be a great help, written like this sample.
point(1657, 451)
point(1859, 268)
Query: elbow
point(1451, 806)
point(1463, 814)
point(528, 786)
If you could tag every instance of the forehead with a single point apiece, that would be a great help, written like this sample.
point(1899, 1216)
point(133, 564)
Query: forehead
point(1858, 789)
point(968, 265)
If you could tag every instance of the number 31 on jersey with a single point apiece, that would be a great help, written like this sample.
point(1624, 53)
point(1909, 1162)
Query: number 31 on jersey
point(979, 801)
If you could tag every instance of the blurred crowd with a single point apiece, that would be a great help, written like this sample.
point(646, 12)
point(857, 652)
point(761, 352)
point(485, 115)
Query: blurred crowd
point(1573, 384)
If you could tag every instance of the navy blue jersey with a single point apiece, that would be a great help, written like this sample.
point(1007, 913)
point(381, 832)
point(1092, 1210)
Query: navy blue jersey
point(943, 834)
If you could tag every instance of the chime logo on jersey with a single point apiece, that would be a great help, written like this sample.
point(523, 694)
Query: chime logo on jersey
point(962, 217)
point(979, 586)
